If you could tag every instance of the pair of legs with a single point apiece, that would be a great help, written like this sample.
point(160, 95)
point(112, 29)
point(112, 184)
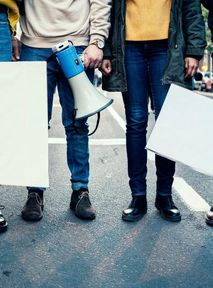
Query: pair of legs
point(145, 62)
point(5, 55)
point(76, 130)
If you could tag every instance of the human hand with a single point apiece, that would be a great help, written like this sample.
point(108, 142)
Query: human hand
point(93, 57)
point(16, 47)
point(191, 66)
point(106, 67)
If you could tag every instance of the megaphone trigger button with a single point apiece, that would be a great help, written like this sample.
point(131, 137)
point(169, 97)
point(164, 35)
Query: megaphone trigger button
point(77, 62)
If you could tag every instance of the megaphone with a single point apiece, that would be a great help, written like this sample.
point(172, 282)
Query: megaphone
point(88, 100)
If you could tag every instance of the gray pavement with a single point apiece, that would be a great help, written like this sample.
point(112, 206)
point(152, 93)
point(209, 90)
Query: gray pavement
point(63, 251)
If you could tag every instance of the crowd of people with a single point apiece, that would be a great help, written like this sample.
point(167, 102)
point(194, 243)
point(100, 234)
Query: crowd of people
point(141, 47)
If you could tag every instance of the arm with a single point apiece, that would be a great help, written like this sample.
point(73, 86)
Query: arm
point(194, 34)
point(99, 30)
point(193, 28)
point(106, 67)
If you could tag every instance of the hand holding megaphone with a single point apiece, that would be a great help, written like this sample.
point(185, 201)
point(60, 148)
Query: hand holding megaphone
point(88, 100)
point(93, 57)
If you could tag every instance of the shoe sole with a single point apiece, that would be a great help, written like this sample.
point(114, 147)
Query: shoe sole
point(32, 218)
point(132, 218)
point(171, 219)
point(85, 218)
point(72, 207)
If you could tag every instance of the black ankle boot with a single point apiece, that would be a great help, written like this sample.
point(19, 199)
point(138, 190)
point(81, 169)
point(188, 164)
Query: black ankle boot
point(136, 210)
point(167, 208)
point(3, 222)
point(81, 204)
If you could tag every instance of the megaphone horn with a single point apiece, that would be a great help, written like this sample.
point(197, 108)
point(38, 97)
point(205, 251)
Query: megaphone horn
point(88, 100)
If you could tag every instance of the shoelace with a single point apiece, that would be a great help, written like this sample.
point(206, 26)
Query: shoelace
point(35, 195)
point(85, 193)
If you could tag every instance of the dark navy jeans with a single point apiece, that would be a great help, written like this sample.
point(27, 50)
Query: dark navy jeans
point(145, 62)
point(5, 39)
point(77, 139)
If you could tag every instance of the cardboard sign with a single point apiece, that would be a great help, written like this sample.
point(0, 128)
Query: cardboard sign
point(23, 124)
point(184, 129)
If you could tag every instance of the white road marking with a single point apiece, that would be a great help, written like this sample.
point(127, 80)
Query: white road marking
point(122, 124)
point(57, 141)
point(191, 198)
point(117, 118)
point(57, 105)
point(93, 142)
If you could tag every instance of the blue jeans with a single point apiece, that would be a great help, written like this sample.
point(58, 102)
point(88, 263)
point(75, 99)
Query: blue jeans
point(77, 139)
point(5, 39)
point(145, 62)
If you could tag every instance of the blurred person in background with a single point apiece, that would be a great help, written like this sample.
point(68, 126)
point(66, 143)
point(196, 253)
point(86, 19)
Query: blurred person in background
point(208, 4)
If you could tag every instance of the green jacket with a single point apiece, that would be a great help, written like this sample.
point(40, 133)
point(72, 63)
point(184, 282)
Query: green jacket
point(186, 38)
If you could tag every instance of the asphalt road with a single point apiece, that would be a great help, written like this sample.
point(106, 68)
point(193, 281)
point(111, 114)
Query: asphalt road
point(63, 251)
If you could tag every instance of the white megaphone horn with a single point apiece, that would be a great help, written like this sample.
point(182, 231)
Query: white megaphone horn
point(88, 100)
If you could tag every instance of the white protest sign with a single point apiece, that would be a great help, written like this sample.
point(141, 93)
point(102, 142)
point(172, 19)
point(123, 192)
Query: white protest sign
point(184, 129)
point(23, 124)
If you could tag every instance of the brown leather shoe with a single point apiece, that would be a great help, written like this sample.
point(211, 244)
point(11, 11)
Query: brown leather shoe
point(209, 217)
point(81, 204)
point(33, 208)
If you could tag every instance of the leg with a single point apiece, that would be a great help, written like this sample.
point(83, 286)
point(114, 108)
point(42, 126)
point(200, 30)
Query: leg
point(136, 109)
point(77, 149)
point(5, 55)
point(165, 168)
point(33, 208)
point(5, 39)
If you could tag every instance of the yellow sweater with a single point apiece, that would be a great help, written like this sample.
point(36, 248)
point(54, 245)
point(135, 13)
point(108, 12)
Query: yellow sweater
point(13, 14)
point(147, 19)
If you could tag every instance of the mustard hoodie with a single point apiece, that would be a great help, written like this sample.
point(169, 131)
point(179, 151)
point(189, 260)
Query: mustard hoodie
point(13, 13)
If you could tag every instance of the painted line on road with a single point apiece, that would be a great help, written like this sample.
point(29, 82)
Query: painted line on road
point(92, 142)
point(117, 118)
point(191, 198)
point(122, 124)
point(57, 105)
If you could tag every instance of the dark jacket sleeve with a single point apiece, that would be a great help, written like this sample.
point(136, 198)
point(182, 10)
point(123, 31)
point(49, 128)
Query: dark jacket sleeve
point(107, 49)
point(193, 28)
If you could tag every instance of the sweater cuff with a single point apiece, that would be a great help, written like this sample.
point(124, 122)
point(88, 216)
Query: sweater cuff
point(94, 37)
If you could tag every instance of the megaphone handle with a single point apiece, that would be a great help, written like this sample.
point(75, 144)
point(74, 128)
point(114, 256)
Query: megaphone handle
point(97, 123)
point(96, 126)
